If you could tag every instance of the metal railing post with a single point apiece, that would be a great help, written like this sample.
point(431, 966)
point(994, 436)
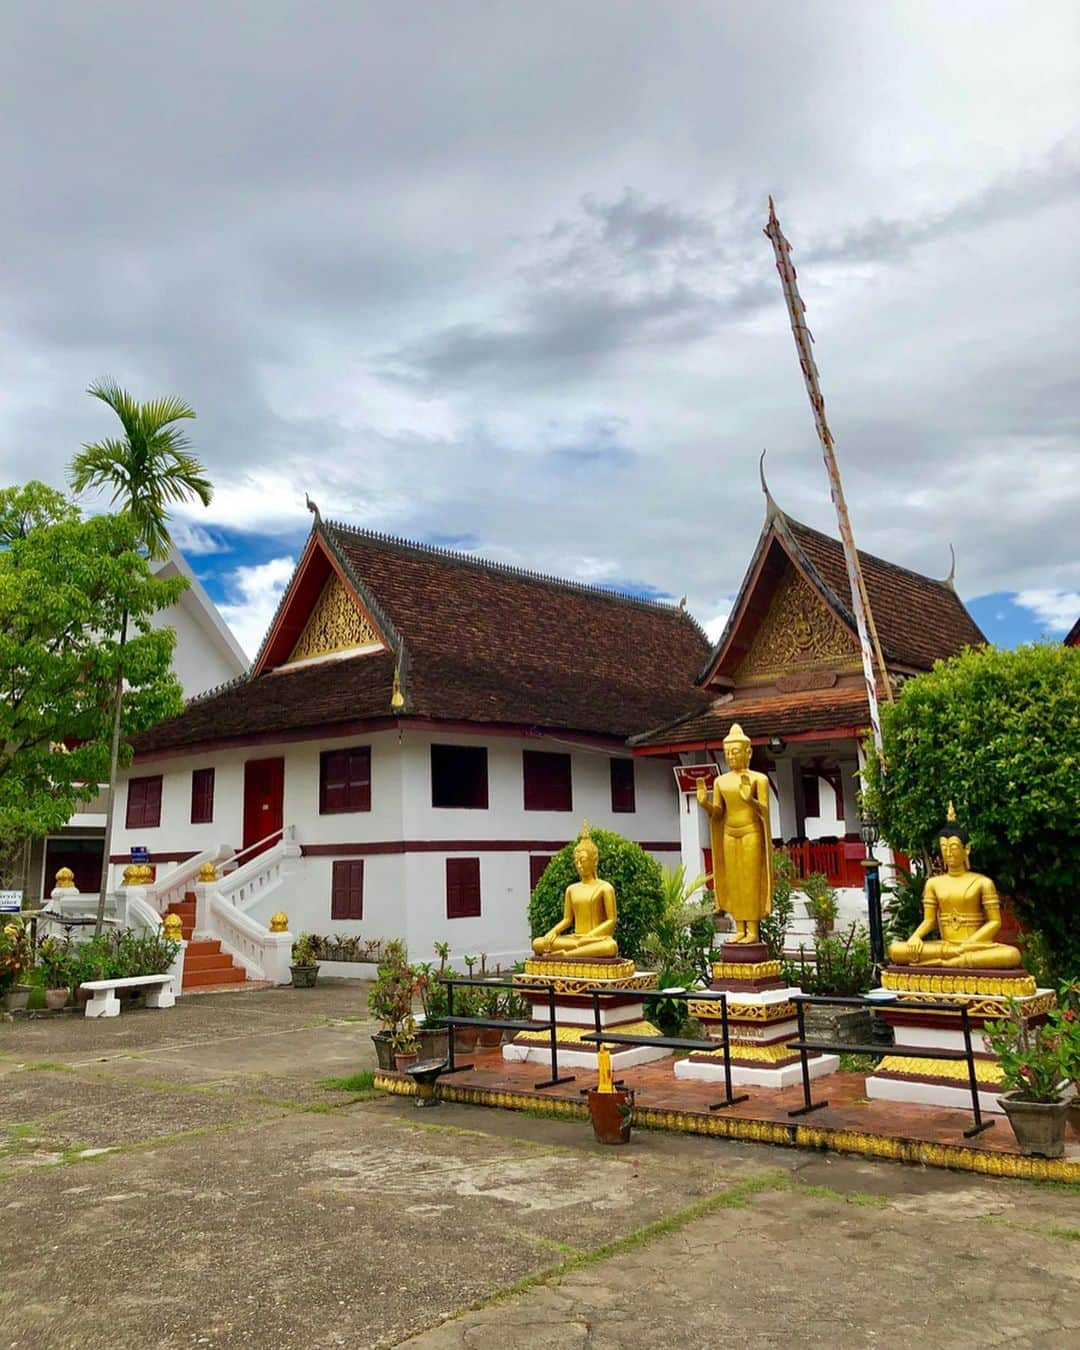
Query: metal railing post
point(973, 1082)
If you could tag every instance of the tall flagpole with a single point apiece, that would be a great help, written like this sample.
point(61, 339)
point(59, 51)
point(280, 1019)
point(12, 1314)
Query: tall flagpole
point(860, 603)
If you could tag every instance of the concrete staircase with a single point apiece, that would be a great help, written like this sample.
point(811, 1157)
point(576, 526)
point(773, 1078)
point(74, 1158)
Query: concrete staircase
point(206, 966)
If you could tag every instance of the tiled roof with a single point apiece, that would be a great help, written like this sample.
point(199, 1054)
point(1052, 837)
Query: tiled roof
point(479, 642)
point(919, 620)
point(767, 715)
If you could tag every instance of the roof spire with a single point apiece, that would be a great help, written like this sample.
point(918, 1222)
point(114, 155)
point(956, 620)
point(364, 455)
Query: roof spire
point(313, 508)
point(771, 508)
point(951, 578)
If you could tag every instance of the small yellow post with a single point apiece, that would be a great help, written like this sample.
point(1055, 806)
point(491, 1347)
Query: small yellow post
point(604, 1082)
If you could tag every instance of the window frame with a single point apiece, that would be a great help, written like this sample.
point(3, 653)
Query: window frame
point(355, 790)
point(625, 791)
point(462, 873)
point(540, 788)
point(136, 816)
point(202, 796)
point(343, 882)
point(479, 754)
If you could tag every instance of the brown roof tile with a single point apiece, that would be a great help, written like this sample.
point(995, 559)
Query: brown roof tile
point(479, 643)
point(767, 715)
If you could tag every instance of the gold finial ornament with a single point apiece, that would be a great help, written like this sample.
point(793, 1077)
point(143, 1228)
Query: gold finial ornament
point(207, 872)
point(131, 874)
point(587, 927)
point(963, 906)
point(173, 927)
point(279, 922)
point(741, 836)
point(397, 698)
point(65, 879)
point(146, 874)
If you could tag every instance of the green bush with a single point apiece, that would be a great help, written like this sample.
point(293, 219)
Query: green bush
point(638, 882)
point(821, 903)
point(997, 733)
point(841, 965)
point(775, 924)
point(904, 903)
point(120, 955)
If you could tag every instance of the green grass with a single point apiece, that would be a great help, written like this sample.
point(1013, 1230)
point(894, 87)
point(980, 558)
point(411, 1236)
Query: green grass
point(364, 1081)
point(858, 1063)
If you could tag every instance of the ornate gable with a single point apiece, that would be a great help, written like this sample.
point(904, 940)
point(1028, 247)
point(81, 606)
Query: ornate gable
point(798, 633)
point(335, 624)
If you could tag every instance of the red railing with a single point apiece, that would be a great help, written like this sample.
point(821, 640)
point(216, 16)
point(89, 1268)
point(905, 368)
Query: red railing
point(839, 860)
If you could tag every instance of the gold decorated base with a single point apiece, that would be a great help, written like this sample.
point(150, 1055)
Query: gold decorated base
point(594, 971)
point(913, 980)
point(568, 1036)
point(708, 1010)
point(897, 1066)
point(741, 1051)
point(747, 971)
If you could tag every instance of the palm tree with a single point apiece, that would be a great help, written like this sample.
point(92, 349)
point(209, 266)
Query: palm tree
point(147, 468)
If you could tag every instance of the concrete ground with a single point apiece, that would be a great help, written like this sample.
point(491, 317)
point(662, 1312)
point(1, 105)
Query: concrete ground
point(185, 1178)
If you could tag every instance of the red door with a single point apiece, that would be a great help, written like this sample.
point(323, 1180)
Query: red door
point(264, 792)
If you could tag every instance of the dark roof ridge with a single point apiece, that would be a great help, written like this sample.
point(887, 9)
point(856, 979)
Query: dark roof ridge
point(873, 557)
point(507, 569)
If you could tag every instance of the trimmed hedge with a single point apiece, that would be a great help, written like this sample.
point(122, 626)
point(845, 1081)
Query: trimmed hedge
point(638, 882)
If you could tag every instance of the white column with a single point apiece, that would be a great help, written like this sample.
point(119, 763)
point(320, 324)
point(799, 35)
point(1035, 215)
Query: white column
point(785, 793)
point(851, 785)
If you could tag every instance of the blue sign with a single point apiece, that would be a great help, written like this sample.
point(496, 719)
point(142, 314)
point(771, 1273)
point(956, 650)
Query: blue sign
point(139, 854)
point(10, 902)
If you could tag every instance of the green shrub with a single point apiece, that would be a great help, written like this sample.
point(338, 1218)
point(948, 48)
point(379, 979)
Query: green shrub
point(904, 903)
point(841, 965)
point(997, 733)
point(821, 903)
point(681, 939)
point(636, 877)
point(774, 925)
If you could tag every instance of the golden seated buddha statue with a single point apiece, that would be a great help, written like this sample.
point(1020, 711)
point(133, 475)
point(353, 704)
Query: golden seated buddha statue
point(586, 929)
point(964, 908)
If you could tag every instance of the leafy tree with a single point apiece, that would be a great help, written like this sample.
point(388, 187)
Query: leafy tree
point(638, 882)
point(147, 468)
point(64, 585)
point(997, 733)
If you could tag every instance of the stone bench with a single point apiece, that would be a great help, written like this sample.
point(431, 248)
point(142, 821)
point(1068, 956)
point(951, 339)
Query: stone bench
point(104, 1003)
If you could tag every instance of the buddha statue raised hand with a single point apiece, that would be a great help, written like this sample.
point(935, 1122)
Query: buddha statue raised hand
point(964, 908)
point(586, 929)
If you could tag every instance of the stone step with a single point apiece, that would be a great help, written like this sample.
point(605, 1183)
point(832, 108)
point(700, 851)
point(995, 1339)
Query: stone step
point(198, 979)
point(207, 961)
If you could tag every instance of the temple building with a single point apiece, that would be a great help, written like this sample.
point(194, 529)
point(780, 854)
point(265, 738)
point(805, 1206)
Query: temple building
point(419, 733)
point(787, 669)
point(421, 730)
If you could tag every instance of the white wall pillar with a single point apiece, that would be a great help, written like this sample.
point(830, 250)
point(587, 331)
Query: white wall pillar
point(850, 805)
point(784, 773)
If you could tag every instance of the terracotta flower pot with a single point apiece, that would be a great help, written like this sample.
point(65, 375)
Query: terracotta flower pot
point(464, 1040)
point(17, 997)
point(406, 1061)
point(612, 1115)
point(433, 1042)
point(1039, 1126)
point(56, 999)
point(490, 1037)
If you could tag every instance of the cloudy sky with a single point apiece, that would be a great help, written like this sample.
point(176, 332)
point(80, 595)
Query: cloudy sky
point(491, 275)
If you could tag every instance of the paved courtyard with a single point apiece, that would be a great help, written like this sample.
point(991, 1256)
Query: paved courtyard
point(186, 1178)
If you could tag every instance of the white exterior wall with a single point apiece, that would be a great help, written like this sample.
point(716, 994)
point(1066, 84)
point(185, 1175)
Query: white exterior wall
point(199, 660)
point(405, 889)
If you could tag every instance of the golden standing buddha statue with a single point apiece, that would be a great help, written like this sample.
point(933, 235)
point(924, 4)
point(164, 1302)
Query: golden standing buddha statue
point(741, 837)
point(964, 908)
point(587, 926)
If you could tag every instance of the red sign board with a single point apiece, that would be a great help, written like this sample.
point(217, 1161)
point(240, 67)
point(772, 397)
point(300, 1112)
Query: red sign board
point(689, 775)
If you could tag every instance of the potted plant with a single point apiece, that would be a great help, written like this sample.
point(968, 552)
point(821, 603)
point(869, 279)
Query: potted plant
point(55, 963)
point(405, 1044)
point(491, 1003)
point(466, 1004)
point(1067, 1018)
point(1036, 1095)
point(390, 998)
point(611, 1109)
point(305, 965)
point(433, 1033)
point(15, 962)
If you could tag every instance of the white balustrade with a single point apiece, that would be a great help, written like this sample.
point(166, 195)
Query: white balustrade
point(264, 955)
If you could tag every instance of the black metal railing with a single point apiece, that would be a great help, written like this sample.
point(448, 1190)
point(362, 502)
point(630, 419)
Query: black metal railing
point(602, 1037)
point(906, 1051)
point(453, 1020)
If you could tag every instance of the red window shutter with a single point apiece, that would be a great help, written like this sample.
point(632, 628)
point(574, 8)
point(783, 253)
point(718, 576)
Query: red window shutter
point(622, 786)
point(462, 888)
point(143, 803)
point(202, 796)
point(537, 866)
point(548, 785)
point(347, 889)
point(345, 780)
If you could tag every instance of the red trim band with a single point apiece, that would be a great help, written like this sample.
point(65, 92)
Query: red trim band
point(356, 850)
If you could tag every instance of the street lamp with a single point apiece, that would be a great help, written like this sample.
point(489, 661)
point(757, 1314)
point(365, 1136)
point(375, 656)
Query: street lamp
point(870, 834)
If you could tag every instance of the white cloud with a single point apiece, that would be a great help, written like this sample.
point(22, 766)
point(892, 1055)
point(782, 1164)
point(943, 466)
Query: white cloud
point(1057, 609)
point(258, 590)
point(714, 627)
point(194, 540)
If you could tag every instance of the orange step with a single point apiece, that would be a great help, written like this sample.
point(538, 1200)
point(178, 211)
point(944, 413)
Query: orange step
point(206, 964)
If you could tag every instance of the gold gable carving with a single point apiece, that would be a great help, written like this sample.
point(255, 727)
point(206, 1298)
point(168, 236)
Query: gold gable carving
point(799, 632)
point(335, 624)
